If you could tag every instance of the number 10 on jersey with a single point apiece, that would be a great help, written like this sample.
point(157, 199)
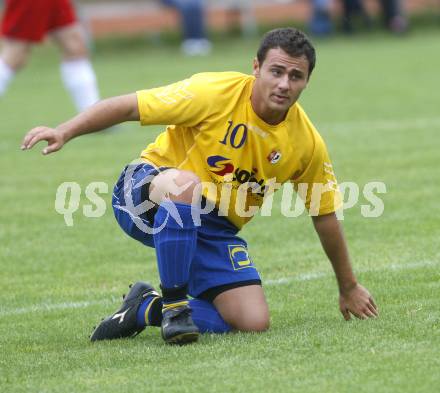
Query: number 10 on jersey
point(235, 135)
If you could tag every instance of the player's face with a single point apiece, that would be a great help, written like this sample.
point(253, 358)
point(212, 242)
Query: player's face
point(280, 79)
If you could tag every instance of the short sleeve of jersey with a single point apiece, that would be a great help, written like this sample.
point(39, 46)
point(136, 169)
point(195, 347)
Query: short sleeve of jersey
point(185, 103)
point(317, 185)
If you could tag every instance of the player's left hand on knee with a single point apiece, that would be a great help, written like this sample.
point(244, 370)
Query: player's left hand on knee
point(359, 302)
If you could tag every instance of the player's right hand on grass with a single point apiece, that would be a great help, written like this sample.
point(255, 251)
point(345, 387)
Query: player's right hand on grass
point(54, 138)
point(359, 302)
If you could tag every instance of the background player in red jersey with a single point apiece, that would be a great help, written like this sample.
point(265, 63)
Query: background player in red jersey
point(26, 22)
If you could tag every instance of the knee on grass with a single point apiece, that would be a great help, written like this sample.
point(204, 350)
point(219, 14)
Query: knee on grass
point(253, 321)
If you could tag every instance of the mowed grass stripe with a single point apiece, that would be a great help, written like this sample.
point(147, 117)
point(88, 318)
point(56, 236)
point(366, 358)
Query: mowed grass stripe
point(383, 125)
point(50, 307)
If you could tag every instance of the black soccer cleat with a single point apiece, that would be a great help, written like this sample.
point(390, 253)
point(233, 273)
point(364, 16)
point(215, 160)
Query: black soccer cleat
point(178, 326)
point(123, 323)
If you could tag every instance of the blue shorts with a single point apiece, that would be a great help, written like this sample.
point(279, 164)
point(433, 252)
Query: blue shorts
point(221, 260)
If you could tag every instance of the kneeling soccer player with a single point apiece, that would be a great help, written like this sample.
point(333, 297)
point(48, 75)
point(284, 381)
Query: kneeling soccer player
point(231, 134)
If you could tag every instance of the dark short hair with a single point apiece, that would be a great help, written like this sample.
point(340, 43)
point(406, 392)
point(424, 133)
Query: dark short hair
point(292, 41)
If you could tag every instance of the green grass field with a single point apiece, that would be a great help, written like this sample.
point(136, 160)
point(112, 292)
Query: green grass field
point(375, 100)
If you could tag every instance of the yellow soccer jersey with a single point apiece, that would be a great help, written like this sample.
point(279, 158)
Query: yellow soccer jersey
point(216, 134)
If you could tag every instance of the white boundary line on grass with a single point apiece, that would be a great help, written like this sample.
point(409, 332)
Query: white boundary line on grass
point(43, 307)
point(318, 275)
point(47, 307)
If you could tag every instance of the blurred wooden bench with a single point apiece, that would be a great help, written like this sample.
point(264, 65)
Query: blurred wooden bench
point(106, 17)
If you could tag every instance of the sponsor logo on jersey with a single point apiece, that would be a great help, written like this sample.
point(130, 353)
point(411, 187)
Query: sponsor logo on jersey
point(243, 176)
point(223, 167)
point(220, 165)
point(274, 157)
